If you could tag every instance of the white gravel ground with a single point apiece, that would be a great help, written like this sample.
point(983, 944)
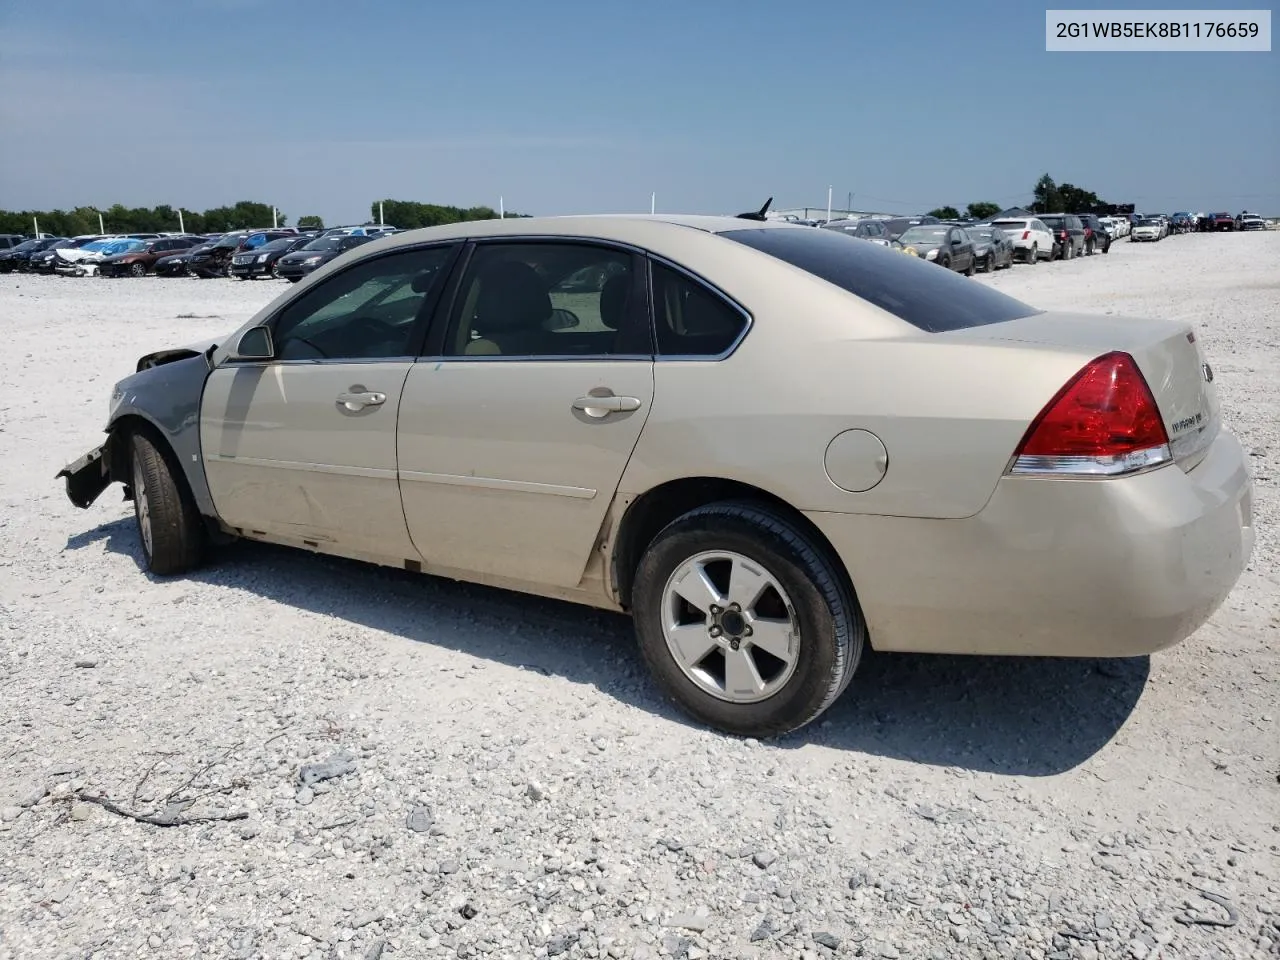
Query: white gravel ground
point(509, 785)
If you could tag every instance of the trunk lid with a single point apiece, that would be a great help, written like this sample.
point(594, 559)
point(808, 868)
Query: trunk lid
point(1168, 353)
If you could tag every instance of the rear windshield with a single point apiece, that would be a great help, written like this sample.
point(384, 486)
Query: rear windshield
point(1011, 225)
point(913, 290)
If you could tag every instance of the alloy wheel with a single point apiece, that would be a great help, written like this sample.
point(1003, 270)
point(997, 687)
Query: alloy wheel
point(730, 627)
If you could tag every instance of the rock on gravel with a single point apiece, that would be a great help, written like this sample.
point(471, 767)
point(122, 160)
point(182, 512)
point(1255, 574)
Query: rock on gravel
point(945, 807)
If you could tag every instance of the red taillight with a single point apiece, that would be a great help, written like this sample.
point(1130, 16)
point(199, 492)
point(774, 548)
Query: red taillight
point(1025, 234)
point(1103, 423)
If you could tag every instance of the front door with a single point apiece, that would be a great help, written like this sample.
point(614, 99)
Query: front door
point(304, 446)
point(513, 440)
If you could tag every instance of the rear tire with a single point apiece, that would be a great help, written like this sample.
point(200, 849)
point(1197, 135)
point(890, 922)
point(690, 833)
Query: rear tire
point(989, 263)
point(749, 565)
point(169, 526)
point(969, 270)
point(1034, 256)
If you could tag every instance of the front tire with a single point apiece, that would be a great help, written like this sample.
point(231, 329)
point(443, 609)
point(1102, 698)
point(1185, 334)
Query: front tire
point(169, 526)
point(137, 269)
point(744, 621)
point(969, 270)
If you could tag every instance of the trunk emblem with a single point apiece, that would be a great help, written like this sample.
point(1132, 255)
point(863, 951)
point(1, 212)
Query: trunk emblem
point(1207, 371)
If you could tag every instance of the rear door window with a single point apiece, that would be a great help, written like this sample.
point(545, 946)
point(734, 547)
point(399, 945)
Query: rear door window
point(911, 289)
point(694, 321)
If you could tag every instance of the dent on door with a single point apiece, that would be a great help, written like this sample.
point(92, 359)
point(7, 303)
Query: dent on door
point(308, 451)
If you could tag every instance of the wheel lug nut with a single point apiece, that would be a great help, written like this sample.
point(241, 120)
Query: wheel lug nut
point(715, 610)
point(715, 631)
point(746, 632)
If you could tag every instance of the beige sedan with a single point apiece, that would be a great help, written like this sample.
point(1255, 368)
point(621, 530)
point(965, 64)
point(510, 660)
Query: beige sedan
point(773, 445)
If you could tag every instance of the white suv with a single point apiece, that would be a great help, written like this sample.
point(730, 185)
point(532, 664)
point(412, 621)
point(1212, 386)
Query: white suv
point(1032, 240)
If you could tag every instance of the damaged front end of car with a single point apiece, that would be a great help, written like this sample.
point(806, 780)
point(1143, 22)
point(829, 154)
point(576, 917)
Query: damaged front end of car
point(162, 396)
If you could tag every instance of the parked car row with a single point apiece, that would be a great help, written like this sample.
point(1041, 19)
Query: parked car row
point(242, 254)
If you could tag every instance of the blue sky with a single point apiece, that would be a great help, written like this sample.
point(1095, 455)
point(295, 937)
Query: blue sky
point(562, 107)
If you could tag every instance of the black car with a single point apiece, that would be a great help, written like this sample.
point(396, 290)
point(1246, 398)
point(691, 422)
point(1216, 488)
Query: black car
point(294, 266)
point(947, 246)
point(992, 247)
point(1095, 234)
point(19, 257)
point(264, 261)
point(1068, 234)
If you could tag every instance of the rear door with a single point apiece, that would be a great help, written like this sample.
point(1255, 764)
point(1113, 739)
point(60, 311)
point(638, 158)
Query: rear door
point(303, 446)
point(515, 431)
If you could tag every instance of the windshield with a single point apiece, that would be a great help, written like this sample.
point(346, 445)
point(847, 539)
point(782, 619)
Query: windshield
point(1149, 222)
point(924, 235)
point(911, 289)
point(28, 245)
point(229, 241)
point(325, 243)
point(115, 247)
point(278, 244)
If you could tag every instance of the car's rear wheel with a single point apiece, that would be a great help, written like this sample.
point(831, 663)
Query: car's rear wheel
point(137, 269)
point(172, 534)
point(1066, 251)
point(1033, 256)
point(969, 270)
point(989, 263)
point(745, 621)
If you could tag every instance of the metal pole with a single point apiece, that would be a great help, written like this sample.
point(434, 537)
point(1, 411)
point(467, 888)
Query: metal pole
point(502, 209)
point(653, 203)
point(273, 217)
point(101, 228)
point(381, 222)
point(35, 222)
point(828, 204)
point(182, 226)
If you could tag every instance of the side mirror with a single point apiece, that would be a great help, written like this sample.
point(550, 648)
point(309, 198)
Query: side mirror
point(254, 344)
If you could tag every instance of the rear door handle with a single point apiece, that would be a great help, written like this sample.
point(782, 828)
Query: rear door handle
point(603, 406)
point(358, 401)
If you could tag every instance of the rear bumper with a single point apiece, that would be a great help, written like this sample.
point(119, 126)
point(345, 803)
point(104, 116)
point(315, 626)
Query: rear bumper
point(1096, 568)
point(87, 477)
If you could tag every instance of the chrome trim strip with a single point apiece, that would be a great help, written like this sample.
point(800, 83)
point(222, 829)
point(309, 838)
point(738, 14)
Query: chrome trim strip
point(493, 483)
point(371, 473)
point(538, 358)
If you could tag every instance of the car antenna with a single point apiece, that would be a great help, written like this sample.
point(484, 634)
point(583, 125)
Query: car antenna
point(757, 214)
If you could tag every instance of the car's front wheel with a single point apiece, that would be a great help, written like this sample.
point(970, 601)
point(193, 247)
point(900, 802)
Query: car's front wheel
point(745, 621)
point(169, 525)
point(137, 269)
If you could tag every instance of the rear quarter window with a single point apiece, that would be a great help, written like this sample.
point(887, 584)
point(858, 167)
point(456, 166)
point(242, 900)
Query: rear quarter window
point(920, 293)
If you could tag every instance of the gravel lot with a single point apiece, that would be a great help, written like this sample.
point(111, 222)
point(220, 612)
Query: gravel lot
point(497, 777)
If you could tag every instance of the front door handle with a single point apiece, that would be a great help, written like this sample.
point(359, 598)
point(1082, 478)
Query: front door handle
point(603, 406)
point(360, 400)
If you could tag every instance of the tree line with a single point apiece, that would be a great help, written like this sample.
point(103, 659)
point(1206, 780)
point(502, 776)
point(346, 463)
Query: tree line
point(244, 214)
point(410, 215)
point(1049, 197)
